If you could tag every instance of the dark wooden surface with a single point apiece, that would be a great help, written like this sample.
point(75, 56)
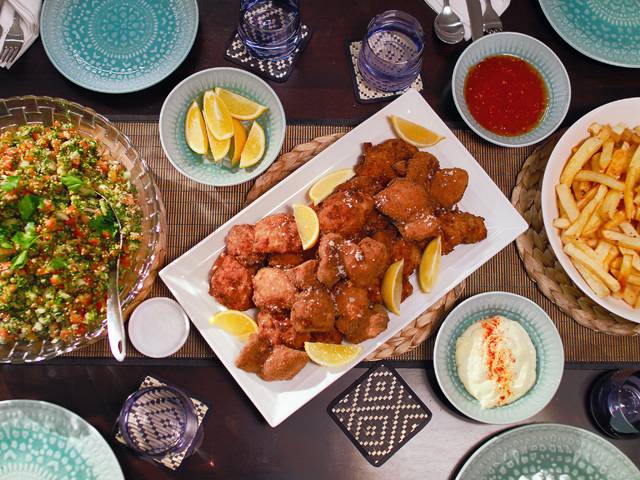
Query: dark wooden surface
point(239, 445)
point(320, 87)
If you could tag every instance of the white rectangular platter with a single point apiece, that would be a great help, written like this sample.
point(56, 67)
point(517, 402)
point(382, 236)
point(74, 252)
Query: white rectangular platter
point(187, 276)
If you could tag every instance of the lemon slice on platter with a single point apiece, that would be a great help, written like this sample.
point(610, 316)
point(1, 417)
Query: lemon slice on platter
point(217, 116)
point(331, 355)
point(254, 147)
point(415, 134)
point(240, 107)
point(195, 130)
point(392, 287)
point(430, 265)
point(239, 139)
point(219, 148)
point(327, 184)
point(236, 323)
point(308, 225)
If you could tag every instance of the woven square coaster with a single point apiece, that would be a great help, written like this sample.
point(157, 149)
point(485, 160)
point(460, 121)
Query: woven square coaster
point(379, 413)
point(276, 70)
point(365, 93)
point(173, 460)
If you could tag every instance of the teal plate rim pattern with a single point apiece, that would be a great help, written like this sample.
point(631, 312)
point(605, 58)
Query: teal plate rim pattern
point(513, 454)
point(542, 58)
point(201, 168)
point(606, 31)
point(543, 334)
point(118, 46)
point(43, 440)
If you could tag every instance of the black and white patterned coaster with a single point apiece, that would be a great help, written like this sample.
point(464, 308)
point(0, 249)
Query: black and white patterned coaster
point(276, 70)
point(379, 413)
point(173, 460)
point(365, 93)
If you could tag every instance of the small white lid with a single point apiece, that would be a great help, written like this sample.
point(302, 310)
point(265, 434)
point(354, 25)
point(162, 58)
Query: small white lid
point(158, 327)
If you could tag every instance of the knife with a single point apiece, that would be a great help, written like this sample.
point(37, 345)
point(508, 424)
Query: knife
point(475, 18)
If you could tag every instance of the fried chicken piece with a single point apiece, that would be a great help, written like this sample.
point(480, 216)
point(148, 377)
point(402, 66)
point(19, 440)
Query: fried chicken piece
point(304, 276)
point(230, 283)
point(400, 167)
point(283, 363)
point(344, 212)
point(402, 200)
point(365, 262)
point(461, 227)
point(422, 167)
point(330, 267)
point(376, 222)
point(313, 311)
point(240, 241)
point(277, 234)
point(278, 329)
point(423, 226)
point(448, 186)
point(285, 260)
point(378, 160)
point(374, 293)
point(332, 336)
point(254, 353)
point(273, 289)
point(400, 249)
point(357, 319)
point(360, 183)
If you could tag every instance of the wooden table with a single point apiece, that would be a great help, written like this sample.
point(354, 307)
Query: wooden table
point(238, 444)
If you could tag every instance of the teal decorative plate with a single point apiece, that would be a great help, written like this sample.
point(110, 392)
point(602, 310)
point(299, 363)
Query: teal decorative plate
point(118, 46)
point(543, 334)
point(560, 451)
point(201, 168)
point(605, 30)
point(40, 440)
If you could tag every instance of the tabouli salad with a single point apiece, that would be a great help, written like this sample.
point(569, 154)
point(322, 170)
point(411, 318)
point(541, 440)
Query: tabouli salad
point(58, 236)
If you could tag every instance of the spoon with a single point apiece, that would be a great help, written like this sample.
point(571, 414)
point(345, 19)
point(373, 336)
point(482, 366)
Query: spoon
point(448, 26)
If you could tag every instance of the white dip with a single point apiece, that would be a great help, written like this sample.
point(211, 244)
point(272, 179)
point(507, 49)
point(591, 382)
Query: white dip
point(544, 475)
point(496, 361)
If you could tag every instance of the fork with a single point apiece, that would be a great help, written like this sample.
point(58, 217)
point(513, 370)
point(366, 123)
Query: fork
point(13, 42)
point(490, 20)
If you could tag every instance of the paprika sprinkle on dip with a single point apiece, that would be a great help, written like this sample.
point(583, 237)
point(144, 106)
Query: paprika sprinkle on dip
point(506, 95)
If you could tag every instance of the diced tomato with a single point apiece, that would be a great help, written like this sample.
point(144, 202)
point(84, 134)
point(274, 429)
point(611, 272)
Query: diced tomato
point(66, 334)
point(75, 318)
point(4, 334)
point(55, 280)
point(50, 224)
point(125, 261)
point(94, 241)
point(81, 329)
point(47, 205)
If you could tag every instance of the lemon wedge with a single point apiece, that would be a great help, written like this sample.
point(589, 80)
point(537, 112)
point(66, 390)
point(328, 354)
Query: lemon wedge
point(239, 139)
point(392, 287)
point(195, 130)
point(217, 116)
point(254, 147)
point(327, 184)
point(236, 323)
point(430, 265)
point(415, 134)
point(219, 148)
point(240, 107)
point(308, 225)
point(331, 355)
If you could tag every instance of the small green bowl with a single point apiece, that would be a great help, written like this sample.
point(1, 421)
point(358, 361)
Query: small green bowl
point(543, 334)
point(537, 54)
point(174, 111)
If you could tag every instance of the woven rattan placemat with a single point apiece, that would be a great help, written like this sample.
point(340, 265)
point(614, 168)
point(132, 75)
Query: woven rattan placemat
point(194, 211)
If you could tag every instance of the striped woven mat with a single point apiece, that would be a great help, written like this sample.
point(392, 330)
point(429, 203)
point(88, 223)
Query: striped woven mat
point(194, 211)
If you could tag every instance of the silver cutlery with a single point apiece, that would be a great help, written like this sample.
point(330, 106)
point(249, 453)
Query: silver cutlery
point(475, 18)
point(490, 20)
point(13, 42)
point(448, 26)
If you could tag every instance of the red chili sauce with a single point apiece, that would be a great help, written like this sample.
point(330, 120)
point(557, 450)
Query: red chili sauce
point(506, 95)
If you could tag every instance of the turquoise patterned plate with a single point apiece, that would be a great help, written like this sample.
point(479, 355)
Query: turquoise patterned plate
point(543, 334)
point(118, 46)
point(537, 54)
point(605, 30)
point(201, 168)
point(560, 451)
point(40, 440)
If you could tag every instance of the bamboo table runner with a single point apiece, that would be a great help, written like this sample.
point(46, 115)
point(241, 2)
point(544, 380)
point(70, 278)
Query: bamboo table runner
point(194, 211)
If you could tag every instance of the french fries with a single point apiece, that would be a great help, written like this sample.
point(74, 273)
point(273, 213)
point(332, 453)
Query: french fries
point(599, 211)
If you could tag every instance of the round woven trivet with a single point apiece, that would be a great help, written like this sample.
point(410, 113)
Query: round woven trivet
point(538, 257)
point(425, 324)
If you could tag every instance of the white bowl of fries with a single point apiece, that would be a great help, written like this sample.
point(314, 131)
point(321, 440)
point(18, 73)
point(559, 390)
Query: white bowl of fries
point(591, 205)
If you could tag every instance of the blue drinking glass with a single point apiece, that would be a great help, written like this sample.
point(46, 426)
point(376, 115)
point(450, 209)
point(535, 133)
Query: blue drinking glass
point(391, 53)
point(270, 29)
point(615, 403)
